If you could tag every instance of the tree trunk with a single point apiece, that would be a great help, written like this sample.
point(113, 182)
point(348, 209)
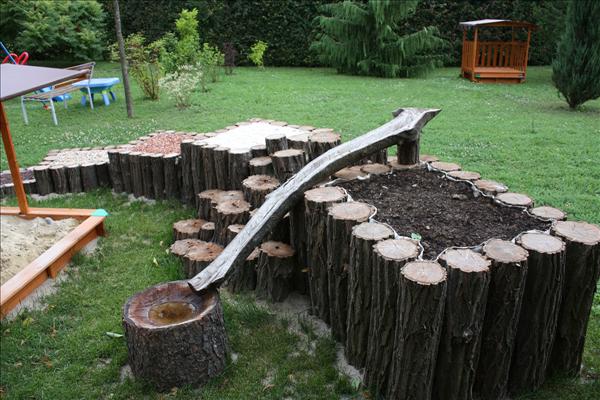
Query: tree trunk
point(275, 270)
point(238, 168)
point(257, 187)
point(199, 257)
point(89, 179)
point(466, 295)
point(389, 258)
point(420, 310)
point(43, 179)
point(159, 320)
point(123, 59)
point(221, 160)
point(321, 142)
point(582, 271)
point(135, 166)
point(58, 174)
point(158, 176)
point(74, 178)
point(408, 152)
point(172, 170)
point(275, 143)
point(187, 229)
point(229, 212)
point(316, 203)
point(187, 181)
point(539, 311)
point(115, 170)
point(125, 165)
point(207, 200)
point(360, 279)
point(261, 166)
point(287, 162)
point(507, 284)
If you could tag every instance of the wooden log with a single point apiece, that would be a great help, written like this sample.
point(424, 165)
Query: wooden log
point(172, 176)
point(321, 142)
point(238, 167)
point(260, 166)
point(515, 199)
point(360, 279)
point(43, 179)
point(114, 166)
point(125, 166)
point(445, 166)
point(420, 309)
point(376, 169)
point(158, 320)
point(379, 157)
point(233, 230)
point(316, 203)
point(180, 247)
point(426, 158)
point(135, 166)
point(260, 150)
point(147, 179)
point(257, 187)
point(350, 173)
point(197, 166)
point(507, 284)
point(206, 202)
point(207, 232)
point(228, 195)
point(301, 142)
point(187, 183)
point(490, 187)
point(539, 311)
point(243, 276)
point(58, 174)
point(158, 175)
point(275, 143)
point(389, 257)
point(199, 257)
point(89, 179)
point(549, 213)
point(286, 163)
point(407, 152)
point(407, 124)
point(103, 174)
point(582, 271)
point(275, 271)
point(465, 175)
point(221, 162)
point(466, 295)
point(30, 186)
point(229, 212)
point(341, 218)
point(187, 229)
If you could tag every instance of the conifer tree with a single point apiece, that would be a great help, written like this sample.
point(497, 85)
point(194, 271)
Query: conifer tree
point(364, 38)
point(576, 68)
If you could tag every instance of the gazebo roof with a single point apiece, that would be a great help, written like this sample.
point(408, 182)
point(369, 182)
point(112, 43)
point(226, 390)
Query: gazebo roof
point(17, 80)
point(497, 22)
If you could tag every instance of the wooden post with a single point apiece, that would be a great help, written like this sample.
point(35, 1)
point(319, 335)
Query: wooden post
point(229, 212)
point(261, 166)
point(115, 170)
point(89, 179)
point(158, 175)
point(287, 162)
point(103, 174)
point(58, 174)
point(221, 162)
point(243, 276)
point(196, 167)
point(125, 165)
point(172, 169)
point(275, 143)
point(257, 187)
point(13, 165)
point(135, 166)
point(187, 183)
point(238, 167)
point(199, 257)
point(74, 178)
point(275, 271)
point(475, 54)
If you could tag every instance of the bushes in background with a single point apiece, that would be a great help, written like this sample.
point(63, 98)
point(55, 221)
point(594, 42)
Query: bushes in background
point(257, 53)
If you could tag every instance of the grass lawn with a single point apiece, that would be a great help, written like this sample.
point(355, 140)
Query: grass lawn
point(522, 135)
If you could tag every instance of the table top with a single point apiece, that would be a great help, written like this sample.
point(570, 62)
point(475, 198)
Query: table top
point(17, 80)
point(98, 82)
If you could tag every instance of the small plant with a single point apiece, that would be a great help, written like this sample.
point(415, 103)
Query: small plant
point(210, 59)
point(181, 84)
point(187, 48)
point(230, 54)
point(257, 52)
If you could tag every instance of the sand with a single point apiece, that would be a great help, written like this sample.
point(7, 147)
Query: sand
point(22, 241)
point(245, 136)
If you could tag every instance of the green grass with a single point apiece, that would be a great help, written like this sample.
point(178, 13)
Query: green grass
point(522, 135)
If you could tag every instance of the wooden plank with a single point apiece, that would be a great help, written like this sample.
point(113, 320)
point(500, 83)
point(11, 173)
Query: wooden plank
point(13, 165)
point(406, 125)
point(54, 213)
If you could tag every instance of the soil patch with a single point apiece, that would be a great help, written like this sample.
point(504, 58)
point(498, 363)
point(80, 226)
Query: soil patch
point(164, 143)
point(5, 176)
point(22, 241)
point(443, 212)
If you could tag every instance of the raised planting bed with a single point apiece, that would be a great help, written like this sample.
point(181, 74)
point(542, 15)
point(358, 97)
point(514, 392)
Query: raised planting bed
point(7, 187)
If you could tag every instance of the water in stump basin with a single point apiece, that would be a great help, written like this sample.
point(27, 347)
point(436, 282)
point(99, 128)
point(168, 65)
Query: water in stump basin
point(171, 312)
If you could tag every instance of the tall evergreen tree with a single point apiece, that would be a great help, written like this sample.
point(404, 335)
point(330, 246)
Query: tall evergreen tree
point(576, 69)
point(364, 38)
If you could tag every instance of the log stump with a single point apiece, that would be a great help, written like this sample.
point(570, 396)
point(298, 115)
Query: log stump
point(232, 231)
point(275, 271)
point(360, 280)
point(376, 169)
point(261, 166)
point(125, 165)
point(239, 167)
point(58, 174)
point(287, 162)
point(341, 218)
point(243, 276)
point(187, 183)
point(89, 179)
point(196, 167)
point(158, 175)
point(490, 187)
point(187, 229)
point(507, 284)
point(207, 231)
point(321, 142)
point(103, 174)
point(549, 213)
point(407, 152)
point(275, 143)
point(539, 311)
point(43, 179)
point(74, 178)
point(466, 295)
point(221, 162)
point(162, 319)
point(260, 150)
point(582, 271)
point(135, 167)
point(172, 176)
point(227, 213)
point(115, 170)
point(199, 257)
point(209, 174)
point(515, 199)
point(206, 202)
point(420, 309)
point(181, 247)
point(301, 142)
point(257, 187)
point(316, 203)
point(147, 184)
point(389, 258)
point(351, 173)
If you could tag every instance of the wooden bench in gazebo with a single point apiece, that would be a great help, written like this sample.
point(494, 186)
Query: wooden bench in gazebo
point(497, 60)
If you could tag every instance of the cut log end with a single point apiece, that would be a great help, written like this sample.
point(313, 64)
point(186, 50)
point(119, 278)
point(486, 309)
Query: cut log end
point(515, 199)
point(277, 249)
point(445, 166)
point(541, 243)
point(424, 272)
point(465, 260)
point(181, 247)
point(187, 229)
point(580, 232)
point(491, 187)
point(376, 169)
point(504, 251)
point(372, 231)
point(328, 194)
point(428, 158)
point(350, 173)
point(551, 213)
point(229, 207)
point(352, 211)
point(397, 249)
point(465, 175)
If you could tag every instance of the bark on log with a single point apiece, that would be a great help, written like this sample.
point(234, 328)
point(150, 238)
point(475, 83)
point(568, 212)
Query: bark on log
point(158, 320)
point(89, 180)
point(206, 202)
point(187, 229)
point(257, 187)
point(103, 174)
point(125, 165)
point(196, 167)
point(172, 176)
point(207, 232)
point(147, 180)
point(243, 276)
point(199, 257)
point(507, 284)
point(341, 218)
point(187, 183)
point(275, 271)
point(135, 166)
point(301, 142)
point(286, 163)
point(420, 309)
point(539, 311)
point(58, 174)
point(74, 178)
point(321, 142)
point(158, 175)
point(582, 271)
point(229, 212)
point(407, 152)
point(43, 179)
point(260, 150)
point(466, 295)
point(115, 170)
point(316, 203)
point(389, 258)
point(232, 231)
point(275, 143)
point(238, 168)
point(221, 162)
point(360, 272)
point(260, 166)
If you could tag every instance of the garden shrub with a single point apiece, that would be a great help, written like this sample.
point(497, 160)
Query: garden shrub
point(188, 42)
point(181, 84)
point(211, 60)
point(230, 54)
point(257, 53)
point(576, 69)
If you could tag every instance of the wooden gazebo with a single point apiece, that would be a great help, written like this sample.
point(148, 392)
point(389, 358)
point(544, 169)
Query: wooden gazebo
point(498, 60)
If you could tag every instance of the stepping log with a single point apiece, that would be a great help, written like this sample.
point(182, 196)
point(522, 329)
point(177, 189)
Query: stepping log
point(360, 272)
point(159, 320)
point(199, 257)
point(490, 187)
point(275, 143)
point(539, 311)
point(257, 187)
point(389, 257)
point(515, 199)
point(135, 166)
point(582, 271)
point(376, 169)
point(89, 179)
point(549, 213)
point(316, 203)
point(275, 271)
point(445, 166)
point(300, 142)
point(426, 158)
point(58, 174)
point(243, 276)
point(181, 247)
point(341, 218)
point(351, 173)
point(172, 176)
point(466, 295)
point(287, 162)
point(114, 167)
point(507, 284)
point(74, 178)
point(422, 288)
point(206, 202)
point(261, 166)
point(227, 213)
point(187, 229)
point(233, 230)
point(125, 165)
point(207, 231)
point(43, 180)
point(465, 175)
point(321, 142)
point(239, 168)
point(260, 150)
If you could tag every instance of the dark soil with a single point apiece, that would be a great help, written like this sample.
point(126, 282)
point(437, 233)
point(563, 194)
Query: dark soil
point(5, 177)
point(443, 212)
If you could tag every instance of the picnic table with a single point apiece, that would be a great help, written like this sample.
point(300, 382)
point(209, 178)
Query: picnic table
point(98, 85)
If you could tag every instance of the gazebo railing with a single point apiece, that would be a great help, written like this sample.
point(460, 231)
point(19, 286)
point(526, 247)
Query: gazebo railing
point(494, 54)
